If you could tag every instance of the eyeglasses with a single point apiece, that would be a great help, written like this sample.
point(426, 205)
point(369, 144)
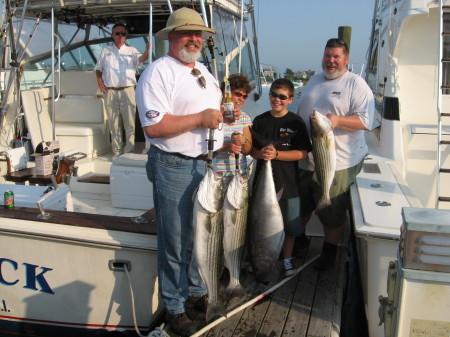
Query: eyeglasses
point(239, 94)
point(120, 33)
point(277, 95)
point(336, 42)
point(201, 80)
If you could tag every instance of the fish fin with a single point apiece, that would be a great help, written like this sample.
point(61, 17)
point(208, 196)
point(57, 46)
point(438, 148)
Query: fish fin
point(214, 310)
point(194, 195)
point(280, 193)
point(315, 177)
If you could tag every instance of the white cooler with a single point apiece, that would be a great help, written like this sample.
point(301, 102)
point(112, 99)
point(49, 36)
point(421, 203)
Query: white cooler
point(418, 302)
point(130, 187)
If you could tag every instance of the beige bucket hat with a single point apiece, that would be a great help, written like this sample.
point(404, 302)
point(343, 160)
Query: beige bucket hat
point(184, 19)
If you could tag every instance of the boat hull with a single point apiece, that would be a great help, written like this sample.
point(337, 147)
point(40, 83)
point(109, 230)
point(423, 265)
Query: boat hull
point(61, 277)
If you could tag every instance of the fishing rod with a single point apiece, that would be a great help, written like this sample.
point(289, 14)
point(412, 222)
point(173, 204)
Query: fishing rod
point(210, 43)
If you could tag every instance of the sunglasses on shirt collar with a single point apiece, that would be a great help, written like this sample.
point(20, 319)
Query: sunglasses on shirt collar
point(200, 79)
point(277, 95)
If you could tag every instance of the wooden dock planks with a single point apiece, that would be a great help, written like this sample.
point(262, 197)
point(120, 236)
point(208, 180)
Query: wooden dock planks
point(305, 306)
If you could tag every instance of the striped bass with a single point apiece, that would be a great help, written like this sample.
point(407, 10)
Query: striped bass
point(266, 229)
point(208, 237)
point(235, 222)
point(324, 153)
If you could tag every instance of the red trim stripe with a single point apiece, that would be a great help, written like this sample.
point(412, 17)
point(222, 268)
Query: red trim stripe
point(11, 318)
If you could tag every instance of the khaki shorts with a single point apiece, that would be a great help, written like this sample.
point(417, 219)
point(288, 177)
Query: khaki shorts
point(310, 192)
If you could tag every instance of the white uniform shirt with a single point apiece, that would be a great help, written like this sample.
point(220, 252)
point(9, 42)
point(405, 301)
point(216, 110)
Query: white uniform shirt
point(168, 87)
point(118, 66)
point(347, 95)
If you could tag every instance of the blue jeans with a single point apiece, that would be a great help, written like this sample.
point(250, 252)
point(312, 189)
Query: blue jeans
point(174, 182)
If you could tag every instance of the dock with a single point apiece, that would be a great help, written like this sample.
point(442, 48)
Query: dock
point(309, 304)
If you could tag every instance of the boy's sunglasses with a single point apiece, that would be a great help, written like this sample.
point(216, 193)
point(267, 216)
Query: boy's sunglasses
point(277, 95)
point(238, 94)
point(120, 33)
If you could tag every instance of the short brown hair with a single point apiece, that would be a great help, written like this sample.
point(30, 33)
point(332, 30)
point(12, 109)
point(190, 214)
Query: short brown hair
point(283, 83)
point(337, 43)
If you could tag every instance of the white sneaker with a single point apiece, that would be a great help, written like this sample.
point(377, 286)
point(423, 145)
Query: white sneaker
point(288, 266)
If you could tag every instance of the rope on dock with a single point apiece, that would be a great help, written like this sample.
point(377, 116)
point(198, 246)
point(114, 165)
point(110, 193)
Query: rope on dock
point(254, 300)
point(159, 331)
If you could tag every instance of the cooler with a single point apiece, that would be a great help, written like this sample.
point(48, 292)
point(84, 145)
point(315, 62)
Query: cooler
point(130, 187)
point(418, 302)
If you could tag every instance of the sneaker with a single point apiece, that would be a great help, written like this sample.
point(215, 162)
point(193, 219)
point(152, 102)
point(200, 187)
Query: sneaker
point(288, 266)
point(180, 324)
point(327, 257)
point(200, 302)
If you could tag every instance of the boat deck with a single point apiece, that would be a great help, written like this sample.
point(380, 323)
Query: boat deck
point(308, 304)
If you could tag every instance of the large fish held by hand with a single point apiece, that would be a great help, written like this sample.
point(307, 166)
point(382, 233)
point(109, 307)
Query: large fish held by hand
point(208, 240)
point(324, 153)
point(266, 229)
point(235, 209)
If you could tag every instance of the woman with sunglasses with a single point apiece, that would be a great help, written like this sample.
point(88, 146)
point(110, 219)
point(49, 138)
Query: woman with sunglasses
point(116, 79)
point(226, 158)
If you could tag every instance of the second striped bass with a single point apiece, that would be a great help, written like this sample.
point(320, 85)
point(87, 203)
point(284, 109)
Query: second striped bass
point(324, 153)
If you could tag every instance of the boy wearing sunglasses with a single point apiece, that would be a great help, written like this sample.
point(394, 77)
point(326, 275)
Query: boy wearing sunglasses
point(116, 79)
point(284, 141)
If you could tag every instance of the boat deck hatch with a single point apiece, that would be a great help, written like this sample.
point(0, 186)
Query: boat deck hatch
point(371, 168)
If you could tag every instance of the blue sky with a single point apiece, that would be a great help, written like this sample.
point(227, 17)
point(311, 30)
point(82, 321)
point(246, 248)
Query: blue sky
point(292, 33)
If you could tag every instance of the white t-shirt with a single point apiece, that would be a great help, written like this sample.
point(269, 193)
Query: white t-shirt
point(347, 95)
point(118, 66)
point(168, 87)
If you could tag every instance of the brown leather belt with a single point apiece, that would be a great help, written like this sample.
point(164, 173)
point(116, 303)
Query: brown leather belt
point(119, 88)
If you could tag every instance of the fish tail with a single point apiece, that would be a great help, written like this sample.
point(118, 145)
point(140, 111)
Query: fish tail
point(214, 310)
point(324, 202)
point(235, 289)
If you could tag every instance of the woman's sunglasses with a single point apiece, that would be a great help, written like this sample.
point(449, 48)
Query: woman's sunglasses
point(239, 94)
point(277, 95)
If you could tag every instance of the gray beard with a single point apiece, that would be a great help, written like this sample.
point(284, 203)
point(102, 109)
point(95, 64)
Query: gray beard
point(189, 57)
point(334, 75)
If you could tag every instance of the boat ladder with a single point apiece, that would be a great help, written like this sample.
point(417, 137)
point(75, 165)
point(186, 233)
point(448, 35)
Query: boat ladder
point(444, 82)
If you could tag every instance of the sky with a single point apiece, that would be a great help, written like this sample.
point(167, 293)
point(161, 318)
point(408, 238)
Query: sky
point(292, 33)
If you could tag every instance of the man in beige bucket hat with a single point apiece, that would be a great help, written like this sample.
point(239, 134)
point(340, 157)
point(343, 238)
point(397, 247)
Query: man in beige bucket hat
point(179, 101)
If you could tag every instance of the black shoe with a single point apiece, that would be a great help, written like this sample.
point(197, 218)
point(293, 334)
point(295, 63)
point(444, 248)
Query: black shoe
point(180, 324)
point(200, 303)
point(327, 257)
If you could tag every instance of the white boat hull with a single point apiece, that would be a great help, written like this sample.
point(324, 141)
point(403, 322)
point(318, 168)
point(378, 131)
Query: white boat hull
point(61, 276)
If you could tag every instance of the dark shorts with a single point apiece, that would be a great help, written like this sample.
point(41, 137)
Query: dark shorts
point(310, 192)
point(290, 209)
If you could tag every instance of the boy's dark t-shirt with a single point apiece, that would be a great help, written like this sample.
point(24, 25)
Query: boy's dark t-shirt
point(285, 173)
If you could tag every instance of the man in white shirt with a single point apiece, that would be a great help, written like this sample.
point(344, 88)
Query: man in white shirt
point(346, 99)
point(179, 101)
point(116, 78)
